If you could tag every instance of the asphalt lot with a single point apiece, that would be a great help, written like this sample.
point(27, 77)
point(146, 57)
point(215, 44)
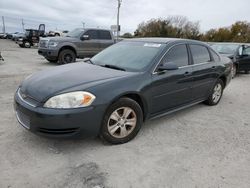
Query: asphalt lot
point(198, 147)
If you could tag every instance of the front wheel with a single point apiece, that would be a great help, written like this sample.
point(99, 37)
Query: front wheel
point(215, 97)
point(122, 121)
point(27, 44)
point(67, 56)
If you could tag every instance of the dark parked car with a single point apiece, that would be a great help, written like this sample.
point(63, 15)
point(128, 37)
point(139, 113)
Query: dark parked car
point(238, 53)
point(79, 43)
point(121, 87)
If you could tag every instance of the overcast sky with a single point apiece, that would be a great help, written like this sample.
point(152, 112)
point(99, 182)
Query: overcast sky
point(68, 14)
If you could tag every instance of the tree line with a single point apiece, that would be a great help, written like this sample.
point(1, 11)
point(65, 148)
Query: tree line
point(181, 27)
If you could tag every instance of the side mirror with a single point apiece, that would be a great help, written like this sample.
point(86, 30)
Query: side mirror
point(85, 37)
point(168, 66)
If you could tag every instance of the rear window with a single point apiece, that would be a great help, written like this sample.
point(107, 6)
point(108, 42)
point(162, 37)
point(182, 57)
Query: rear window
point(104, 35)
point(200, 54)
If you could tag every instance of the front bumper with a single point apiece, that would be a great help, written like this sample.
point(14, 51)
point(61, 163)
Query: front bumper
point(48, 53)
point(59, 122)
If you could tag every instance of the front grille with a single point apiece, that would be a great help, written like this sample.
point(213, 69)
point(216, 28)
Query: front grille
point(23, 119)
point(58, 131)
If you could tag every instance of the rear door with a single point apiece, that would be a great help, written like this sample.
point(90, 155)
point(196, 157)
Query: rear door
point(91, 46)
point(204, 71)
point(105, 39)
point(171, 89)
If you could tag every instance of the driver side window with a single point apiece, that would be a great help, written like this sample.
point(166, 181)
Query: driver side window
point(92, 34)
point(178, 55)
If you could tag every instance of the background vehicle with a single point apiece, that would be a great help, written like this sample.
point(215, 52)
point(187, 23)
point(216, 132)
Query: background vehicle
point(239, 53)
point(57, 33)
point(31, 37)
point(16, 36)
point(79, 43)
point(122, 86)
point(3, 35)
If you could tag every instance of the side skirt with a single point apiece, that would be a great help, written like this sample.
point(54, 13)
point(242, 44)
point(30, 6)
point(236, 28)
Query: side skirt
point(175, 110)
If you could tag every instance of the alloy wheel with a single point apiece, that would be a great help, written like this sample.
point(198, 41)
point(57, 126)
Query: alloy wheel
point(122, 122)
point(217, 93)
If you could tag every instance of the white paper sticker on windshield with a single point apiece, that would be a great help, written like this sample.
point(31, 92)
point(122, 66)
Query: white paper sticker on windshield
point(153, 45)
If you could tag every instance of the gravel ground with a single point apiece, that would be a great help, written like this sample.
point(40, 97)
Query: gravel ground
point(198, 147)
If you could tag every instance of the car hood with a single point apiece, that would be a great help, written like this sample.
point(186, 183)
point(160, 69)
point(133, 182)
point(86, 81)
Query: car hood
point(42, 85)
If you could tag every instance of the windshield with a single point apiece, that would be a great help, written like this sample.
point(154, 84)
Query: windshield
point(130, 56)
point(225, 48)
point(76, 33)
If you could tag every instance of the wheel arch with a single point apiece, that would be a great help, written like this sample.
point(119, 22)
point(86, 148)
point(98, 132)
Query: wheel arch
point(67, 47)
point(137, 97)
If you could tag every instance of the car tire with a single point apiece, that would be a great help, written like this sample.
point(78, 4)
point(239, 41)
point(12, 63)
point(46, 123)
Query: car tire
point(67, 56)
point(234, 71)
point(27, 44)
point(21, 45)
point(52, 60)
point(216, 95)
point(122, 121)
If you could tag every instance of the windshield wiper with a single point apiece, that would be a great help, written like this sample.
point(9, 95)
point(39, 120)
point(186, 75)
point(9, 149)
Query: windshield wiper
point(88, 60)
point(114, 67)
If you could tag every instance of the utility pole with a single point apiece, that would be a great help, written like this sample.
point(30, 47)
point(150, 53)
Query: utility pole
point(23, 25)
point(3, 24)
point(118, 21)
point(83, 25)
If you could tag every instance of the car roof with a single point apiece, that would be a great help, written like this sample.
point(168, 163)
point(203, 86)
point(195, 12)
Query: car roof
point(163, 40)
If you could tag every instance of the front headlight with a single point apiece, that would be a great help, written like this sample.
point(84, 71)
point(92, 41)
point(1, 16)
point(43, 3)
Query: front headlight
point(53, 44)
point(76, 99)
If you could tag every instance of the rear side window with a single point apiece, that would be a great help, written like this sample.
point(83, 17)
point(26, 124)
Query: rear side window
point(104, 35)
point(92, 34)
point(215, 56)
point(178, 55)
point(200, 54)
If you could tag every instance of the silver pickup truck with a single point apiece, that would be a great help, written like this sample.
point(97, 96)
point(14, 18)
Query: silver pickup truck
point(79, 43)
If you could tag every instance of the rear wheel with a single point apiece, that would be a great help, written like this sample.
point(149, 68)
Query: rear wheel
point(215, 97)
point(122, 121)
point(21, 45)
point(67, 56)
point(246, 71)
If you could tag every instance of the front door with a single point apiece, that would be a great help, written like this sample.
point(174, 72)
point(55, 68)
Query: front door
point(244, 59)
point(91, 46)
point(172, 89)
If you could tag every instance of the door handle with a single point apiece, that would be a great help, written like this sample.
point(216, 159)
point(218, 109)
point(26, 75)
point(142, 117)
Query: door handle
point(213, 67)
